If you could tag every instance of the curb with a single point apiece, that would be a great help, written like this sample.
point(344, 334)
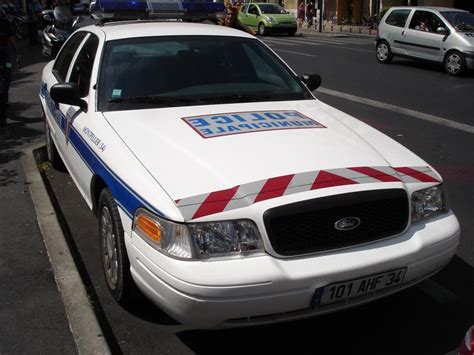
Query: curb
point(83, 323)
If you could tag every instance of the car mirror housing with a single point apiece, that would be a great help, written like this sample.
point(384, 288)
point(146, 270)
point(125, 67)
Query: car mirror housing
point(312, 81)
point(67, 93)
point(442, 30)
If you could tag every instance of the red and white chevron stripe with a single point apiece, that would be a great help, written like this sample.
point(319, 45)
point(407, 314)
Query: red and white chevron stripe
point(247, 194)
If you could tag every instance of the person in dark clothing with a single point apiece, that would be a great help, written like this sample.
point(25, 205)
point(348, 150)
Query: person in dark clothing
point(6, 37)
point(34, 11)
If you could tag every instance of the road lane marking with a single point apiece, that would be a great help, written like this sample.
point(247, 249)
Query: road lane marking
point(404, 111)
point(333, 46)
point(280, 42)
point(292, 52)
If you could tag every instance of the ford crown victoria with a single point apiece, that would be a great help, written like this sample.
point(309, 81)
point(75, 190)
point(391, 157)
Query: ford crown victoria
point(224, 190)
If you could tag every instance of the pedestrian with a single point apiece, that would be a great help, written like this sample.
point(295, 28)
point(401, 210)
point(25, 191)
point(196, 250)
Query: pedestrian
point(301, 14)
point(309, 14)
point(34, 11)
point(6, 37)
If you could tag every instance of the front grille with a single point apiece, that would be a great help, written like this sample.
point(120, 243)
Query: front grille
point(309, 226)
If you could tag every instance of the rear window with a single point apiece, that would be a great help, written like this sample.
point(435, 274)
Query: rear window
point(398, 18)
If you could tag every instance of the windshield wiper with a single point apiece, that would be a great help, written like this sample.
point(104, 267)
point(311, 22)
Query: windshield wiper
point(170, 101)
point(234, 98)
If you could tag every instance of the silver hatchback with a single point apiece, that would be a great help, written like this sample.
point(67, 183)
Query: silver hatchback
point(436, 34)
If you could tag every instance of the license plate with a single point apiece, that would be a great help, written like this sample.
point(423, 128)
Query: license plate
point(342, 291)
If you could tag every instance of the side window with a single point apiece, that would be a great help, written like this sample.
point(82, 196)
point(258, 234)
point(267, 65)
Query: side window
point(82, 68)
point(253, 10)
point(426, 21)
point(61, 65)
point(244, 9)
point(398, 18)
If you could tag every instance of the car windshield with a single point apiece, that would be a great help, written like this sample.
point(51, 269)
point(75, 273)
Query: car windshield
point(271, 9)
point(461, 21)
point(192, 70)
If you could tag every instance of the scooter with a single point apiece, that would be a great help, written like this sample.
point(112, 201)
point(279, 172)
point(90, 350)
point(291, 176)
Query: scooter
point(61, 25)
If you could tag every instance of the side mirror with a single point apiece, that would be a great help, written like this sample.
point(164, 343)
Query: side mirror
point(312, 81)
point(67, 93)
point(442, 30)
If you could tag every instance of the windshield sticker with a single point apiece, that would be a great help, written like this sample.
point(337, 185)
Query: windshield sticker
point(116, 93)
point(210, 126)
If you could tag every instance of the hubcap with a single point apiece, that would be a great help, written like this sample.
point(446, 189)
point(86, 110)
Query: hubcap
point(109, 248)
point(261, 29)
point(382, 52)
point(454, 63)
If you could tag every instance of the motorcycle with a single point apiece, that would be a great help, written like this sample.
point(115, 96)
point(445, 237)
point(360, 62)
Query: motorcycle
point(61, 25)
point(18, 20)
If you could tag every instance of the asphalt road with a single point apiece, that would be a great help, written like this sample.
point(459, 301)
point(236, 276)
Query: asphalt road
point(430, 318)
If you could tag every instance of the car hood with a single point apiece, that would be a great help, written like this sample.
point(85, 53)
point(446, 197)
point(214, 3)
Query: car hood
point(186, 163)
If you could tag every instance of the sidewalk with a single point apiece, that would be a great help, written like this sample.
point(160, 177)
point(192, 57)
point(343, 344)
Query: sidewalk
point(339, 31)
point(32, 315)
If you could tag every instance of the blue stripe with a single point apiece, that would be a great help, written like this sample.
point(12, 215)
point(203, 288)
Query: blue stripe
point(124, 195)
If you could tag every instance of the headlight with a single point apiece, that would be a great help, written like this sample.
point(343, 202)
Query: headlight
point(427, 203)
point(271, 19)
point(198, 240)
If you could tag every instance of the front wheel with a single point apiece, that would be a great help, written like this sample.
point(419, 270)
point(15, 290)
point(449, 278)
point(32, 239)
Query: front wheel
point(115, 263)
point(261, 29)
point(51, 150)
point(383, 52)
point(454, 63)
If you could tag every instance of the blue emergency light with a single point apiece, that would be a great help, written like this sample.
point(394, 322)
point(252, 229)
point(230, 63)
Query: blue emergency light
point(192, 10)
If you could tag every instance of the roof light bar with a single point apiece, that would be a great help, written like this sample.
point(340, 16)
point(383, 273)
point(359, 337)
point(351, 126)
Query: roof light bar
point(191, 10)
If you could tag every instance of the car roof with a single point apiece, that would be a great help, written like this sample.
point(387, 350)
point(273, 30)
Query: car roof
point(433, 8)
point(136, 29)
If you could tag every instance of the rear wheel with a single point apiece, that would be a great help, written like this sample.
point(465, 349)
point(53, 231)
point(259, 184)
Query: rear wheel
point(115, 263)
point(261, 29)
point(454, 63)
point(383, 52)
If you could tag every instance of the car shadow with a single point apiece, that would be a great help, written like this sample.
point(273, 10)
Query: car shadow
point(430, 318)
point(428, 66)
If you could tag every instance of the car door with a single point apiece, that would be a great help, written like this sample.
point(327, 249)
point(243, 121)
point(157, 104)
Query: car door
point(421, 38)
point(60, 71)
point(243, 16)
point(396, 24)
point(253, 16)
point(79, 121)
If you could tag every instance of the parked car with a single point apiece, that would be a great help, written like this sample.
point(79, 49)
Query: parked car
point(224, 189)
point(437, 34)
point(268, 18)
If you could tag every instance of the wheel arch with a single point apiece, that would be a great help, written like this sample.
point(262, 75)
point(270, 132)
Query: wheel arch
point(97, 185)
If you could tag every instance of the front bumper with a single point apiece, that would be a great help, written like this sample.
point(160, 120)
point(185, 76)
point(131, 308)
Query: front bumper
point(469, 56)
point(264, 289)
point(276, 28)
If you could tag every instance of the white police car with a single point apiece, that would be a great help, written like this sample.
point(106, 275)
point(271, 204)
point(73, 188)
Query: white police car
point(224, 190)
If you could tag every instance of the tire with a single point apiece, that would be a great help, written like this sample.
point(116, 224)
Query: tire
point(383, 52)
point(51, 150)
point(262, 31)
point(454, 63)
point(115, 263)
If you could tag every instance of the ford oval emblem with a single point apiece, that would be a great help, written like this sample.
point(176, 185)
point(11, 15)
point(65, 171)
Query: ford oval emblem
point(347, 223)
